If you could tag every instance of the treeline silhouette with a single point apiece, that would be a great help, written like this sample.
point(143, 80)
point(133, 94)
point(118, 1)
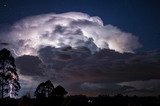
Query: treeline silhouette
point(48, 95)
point(82, 100)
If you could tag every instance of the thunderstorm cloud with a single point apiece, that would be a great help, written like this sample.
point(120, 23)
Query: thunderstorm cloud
point(82, 54)
point(73, 29)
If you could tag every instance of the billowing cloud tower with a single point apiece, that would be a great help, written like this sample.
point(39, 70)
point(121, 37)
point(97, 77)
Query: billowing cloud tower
point(73, 29)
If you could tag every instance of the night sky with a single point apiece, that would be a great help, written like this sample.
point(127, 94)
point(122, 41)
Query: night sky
point(88, 46)
point(140, 17)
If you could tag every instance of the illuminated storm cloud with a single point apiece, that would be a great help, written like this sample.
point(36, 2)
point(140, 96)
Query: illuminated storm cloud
point(73, 29)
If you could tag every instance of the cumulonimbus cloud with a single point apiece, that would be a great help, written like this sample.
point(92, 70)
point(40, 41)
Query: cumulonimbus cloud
point(66, 48)
point(73, 29)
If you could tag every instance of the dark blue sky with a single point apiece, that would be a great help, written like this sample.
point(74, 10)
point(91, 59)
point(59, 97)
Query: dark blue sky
point(140, 17)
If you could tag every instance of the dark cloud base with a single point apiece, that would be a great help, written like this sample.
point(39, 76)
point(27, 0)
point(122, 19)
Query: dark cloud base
point(80, 71)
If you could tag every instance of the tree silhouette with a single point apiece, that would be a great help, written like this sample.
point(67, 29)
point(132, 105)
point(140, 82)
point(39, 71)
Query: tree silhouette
point(8, 74)
point(40, 92)
point(44, 89)
point(59, 91)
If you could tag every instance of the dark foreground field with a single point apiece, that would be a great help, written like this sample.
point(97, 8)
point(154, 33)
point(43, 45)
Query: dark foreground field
point(80, 100)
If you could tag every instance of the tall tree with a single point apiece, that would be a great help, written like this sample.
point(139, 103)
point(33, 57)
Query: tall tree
point(9, 84)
